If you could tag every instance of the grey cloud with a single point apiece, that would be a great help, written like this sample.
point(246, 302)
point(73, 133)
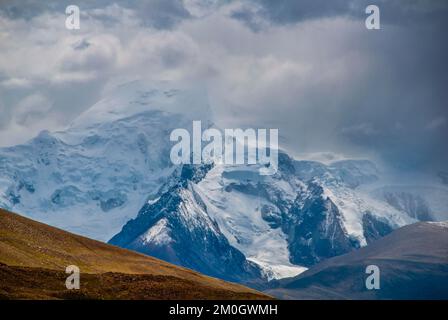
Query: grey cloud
point(291, 11)
point(162, 14)
point(327, 84)
point(81, 45)
point(385, 109)
point(392, 12)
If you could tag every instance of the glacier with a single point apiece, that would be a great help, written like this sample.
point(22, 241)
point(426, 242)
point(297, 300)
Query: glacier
point(108, 176)
point(95, 175)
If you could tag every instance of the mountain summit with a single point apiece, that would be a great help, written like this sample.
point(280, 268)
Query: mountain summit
point(108, 176)
point(96, 175)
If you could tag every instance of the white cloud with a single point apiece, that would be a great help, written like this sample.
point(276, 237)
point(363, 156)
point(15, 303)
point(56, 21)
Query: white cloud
point(253, 77)
point(311, 78)
point(30, 115)
point(30, 108)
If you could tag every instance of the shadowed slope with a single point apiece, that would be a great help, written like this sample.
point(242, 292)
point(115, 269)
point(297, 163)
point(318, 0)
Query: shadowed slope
point(413, 263)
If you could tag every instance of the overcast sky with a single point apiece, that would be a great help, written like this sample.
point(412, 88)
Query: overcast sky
point(307, 67)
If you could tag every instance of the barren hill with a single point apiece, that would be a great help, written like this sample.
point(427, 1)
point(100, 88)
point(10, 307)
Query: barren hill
point(33, 258)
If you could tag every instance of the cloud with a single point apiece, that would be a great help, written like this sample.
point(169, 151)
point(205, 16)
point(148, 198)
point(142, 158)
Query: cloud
point(15, 83)
point(160, 14)
point(393, 12)
point(31, 108)
point(28, 117)
point(309, 68)
point(436, 123)
point(360, 130)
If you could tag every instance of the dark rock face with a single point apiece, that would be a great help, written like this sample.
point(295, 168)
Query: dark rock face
point(176, 228)
point(316, 231)
point(374, 228)
point(194, 173)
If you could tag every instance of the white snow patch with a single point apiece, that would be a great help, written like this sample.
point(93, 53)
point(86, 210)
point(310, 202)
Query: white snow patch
point(153, 201)
point(273, 271)
point(443, 224)
point(353, 204)
point(158, 234)
point(239, 218)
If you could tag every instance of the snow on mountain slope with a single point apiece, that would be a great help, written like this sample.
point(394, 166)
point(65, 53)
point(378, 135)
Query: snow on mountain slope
point(282, 223)
point(422, 196)
point(258, 213)
point(137, 97)
point(96, 175)
point(353, 204)
point(239, 215)
point(177, 228)
point(423, 202)
point(348, 184)
point(109, 175)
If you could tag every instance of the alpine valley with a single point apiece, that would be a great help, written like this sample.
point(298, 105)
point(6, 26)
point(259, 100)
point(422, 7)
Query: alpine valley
point(108, 176)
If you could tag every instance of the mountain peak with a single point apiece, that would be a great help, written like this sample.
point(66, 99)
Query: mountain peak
point(140, 96)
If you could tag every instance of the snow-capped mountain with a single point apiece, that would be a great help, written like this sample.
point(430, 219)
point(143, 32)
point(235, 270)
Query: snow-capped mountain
point(283, 223)
point(109, 176)
point(96, 175)
point(177, 227)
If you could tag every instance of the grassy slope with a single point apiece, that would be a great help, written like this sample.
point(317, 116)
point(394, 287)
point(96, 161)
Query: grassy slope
point(413, 262)
point(33, 258)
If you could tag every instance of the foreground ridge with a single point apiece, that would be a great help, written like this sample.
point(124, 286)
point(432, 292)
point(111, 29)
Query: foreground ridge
point(33, 258)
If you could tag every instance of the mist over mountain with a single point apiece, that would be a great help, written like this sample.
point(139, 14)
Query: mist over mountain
point(277, 145)
point(95, 175)
point(310, 68)
point(109, 176)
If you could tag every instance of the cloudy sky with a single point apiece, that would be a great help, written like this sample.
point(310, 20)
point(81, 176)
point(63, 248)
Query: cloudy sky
point(307, 67)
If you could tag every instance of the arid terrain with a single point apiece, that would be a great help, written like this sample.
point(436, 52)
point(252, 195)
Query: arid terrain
point(33, 258)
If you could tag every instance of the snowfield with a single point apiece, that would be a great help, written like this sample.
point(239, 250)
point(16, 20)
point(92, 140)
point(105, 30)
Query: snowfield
point(109, 175)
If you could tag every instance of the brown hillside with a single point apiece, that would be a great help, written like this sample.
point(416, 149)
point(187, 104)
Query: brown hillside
point(33, 258)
